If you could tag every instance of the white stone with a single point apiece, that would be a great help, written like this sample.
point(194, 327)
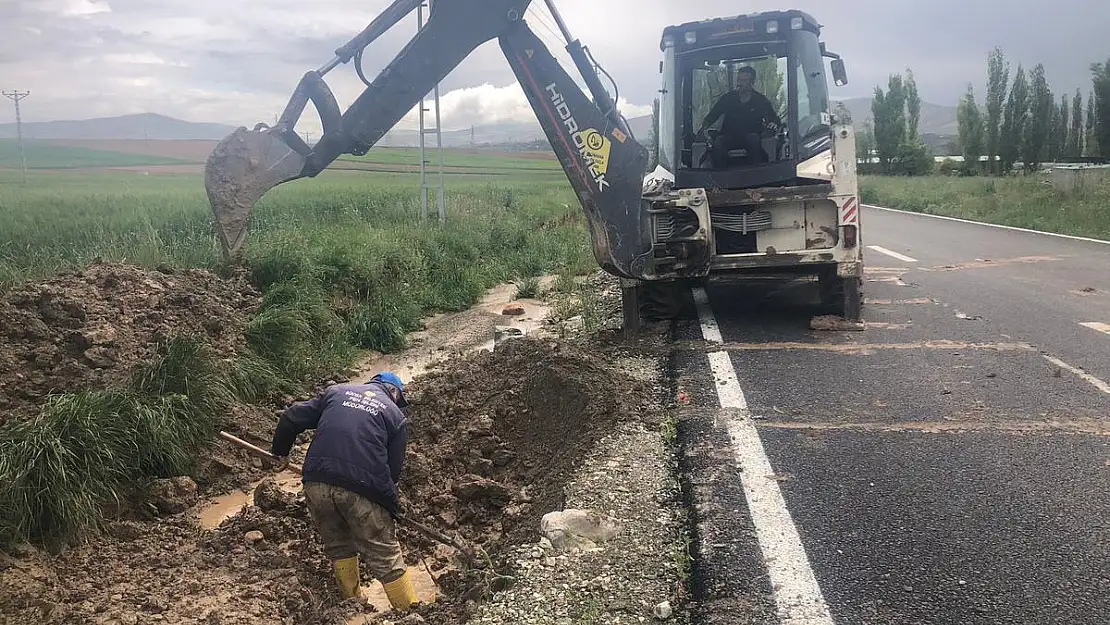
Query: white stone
point(581, 529)
point(663, 611)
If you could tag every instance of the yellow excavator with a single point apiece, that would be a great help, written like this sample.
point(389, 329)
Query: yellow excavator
point(783, 200)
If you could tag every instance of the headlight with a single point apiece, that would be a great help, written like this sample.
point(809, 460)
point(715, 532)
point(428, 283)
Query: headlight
point(691, 37)
point(773, 26)
point(795, 23)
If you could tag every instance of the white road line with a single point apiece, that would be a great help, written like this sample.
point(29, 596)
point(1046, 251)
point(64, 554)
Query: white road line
point(797, 594)
point(1097, 326)
point(981, 223)
point(1092, 380)
point(892, 254)
point(710, 331)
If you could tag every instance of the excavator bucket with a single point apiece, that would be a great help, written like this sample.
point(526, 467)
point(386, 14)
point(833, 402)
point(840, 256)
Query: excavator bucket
point(243, 167)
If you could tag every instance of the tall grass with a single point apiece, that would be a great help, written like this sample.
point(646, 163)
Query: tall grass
point(88, 450)
point(1023, 201)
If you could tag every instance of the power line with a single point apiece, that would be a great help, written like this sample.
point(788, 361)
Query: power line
point(16, 96)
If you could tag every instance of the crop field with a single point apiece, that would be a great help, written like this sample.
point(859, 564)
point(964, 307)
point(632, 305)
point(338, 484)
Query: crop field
point(350, 229)
point(159, 156)
point(46, 155)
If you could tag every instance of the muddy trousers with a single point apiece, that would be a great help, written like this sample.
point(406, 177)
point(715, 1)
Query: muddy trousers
point(350, 524)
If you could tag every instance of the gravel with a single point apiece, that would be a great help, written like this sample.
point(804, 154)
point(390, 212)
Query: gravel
point(629, 476)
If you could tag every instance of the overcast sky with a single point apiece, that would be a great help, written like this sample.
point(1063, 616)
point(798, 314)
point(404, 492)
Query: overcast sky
point(236, 61)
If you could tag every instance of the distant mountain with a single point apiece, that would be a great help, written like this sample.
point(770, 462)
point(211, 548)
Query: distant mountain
point(142, 126)
point(497, 134)
point(512, 132)
point(936, 119)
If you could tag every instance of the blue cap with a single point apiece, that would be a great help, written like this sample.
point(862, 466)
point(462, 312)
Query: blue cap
point(389, 378)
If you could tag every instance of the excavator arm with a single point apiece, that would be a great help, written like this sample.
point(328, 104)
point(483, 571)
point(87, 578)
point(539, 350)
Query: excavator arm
point(603, 162)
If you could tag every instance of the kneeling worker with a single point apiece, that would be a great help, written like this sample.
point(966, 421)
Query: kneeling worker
point(350, 478)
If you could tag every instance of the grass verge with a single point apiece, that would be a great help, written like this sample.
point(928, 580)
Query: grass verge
point(1023, 202)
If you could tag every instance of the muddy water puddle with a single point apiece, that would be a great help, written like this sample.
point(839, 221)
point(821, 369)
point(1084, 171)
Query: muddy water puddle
point(475, 329)
point(219, 509)
point(374, 594)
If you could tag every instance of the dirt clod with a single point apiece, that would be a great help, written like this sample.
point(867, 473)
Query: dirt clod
point(269, 497)
point(473, 488)
point(834, 323)
point(173, 495)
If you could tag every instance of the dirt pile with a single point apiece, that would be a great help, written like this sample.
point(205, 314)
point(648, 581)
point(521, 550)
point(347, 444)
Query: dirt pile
point(494, 438)
point(88, 328)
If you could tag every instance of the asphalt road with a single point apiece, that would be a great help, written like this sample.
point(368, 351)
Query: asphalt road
point(949, 464)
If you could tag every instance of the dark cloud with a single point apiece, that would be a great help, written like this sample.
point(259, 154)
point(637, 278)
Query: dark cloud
point(237, 61)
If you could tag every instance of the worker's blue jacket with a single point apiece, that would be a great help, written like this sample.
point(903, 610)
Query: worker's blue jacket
point(360, 440)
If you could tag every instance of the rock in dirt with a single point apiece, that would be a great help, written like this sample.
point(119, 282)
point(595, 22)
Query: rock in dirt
point(513, 310)
point(254, 536)
point(173, 495)
point(663, 611)
point(504, 333)
point(833, 323)
point(582, 529)
point(270, 497)
point(474, 488)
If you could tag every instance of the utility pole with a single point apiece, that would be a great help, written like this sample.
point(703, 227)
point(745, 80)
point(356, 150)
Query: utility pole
point(16, 96)
point(436, 130)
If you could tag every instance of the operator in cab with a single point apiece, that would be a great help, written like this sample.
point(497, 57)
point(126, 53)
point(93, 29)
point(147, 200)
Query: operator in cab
point(350, 478)
point(747, 112)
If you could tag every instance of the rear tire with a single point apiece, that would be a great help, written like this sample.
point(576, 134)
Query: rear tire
point(841, 296)
point(660, 301)
point(853, 299)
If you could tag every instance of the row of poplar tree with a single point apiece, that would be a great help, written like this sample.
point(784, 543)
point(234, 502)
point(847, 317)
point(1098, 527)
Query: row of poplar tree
point(892, 134)
point(1020, 122)
point(1028, 125)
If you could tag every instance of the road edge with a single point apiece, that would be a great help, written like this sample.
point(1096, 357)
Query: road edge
point(990, 225)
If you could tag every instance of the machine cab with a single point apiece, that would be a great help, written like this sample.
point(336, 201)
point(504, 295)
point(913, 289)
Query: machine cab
point(763, 78)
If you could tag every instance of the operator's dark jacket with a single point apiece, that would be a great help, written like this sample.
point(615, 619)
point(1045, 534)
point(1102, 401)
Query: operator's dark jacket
point(743, 118)
point(360, 440)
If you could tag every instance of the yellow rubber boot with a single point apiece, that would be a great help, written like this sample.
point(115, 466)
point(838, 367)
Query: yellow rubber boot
point(400, 592)
point(346, 573)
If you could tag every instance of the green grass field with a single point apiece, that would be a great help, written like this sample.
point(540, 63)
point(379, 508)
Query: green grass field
point(1024, 202)
point(345, 263)
point(458, 158)
point(41, 155)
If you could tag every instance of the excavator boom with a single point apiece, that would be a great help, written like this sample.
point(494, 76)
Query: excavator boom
point(604, 163)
